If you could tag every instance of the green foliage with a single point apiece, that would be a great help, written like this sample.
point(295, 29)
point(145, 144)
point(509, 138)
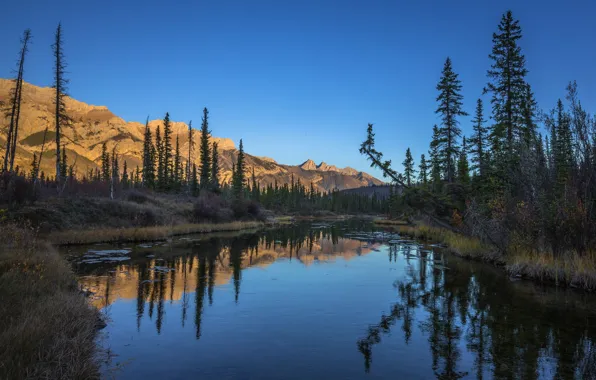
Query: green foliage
point(409, 170)
point(215, 168)
point(149, 156)
point(205, 164)
point(238, 174)
point(450, 106)
point(105, 163)
point(423, 168)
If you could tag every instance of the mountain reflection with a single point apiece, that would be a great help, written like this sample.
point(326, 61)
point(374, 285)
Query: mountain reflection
point(511, 334)
point(189, 269)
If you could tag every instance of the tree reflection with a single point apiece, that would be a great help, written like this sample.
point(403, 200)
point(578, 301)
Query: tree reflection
point(485, 313)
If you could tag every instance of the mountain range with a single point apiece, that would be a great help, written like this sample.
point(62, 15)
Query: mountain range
point(91, 126)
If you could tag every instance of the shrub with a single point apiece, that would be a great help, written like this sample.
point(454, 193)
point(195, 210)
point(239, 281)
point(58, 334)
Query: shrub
point(208, 207)
point(247, 209)
point(137, 197)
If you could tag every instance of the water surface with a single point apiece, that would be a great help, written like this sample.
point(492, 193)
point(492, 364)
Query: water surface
point(328, 301)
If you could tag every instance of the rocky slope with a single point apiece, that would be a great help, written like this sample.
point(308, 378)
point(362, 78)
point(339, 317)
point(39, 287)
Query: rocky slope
point(93, 125)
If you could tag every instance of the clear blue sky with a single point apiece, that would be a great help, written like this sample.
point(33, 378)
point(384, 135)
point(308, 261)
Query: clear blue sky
point(298, 79)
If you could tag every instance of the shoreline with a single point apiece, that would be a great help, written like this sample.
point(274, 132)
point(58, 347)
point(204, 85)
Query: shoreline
point(144, 234)
point(569, 271)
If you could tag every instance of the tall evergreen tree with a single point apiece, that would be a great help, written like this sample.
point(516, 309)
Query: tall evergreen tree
point(479, 140)
point(105, 163)
point(507, 86)
point(409, 167)
point(188, 162)
point(215, 167)
point(161, 180)
point(529, 128)
point(194, 187)
point(238, 180)
point(177, 175)
point(63, 161)
point(125, 179)
point(205, 164)
point(14, 111)
point(423, 170)
point(450, 107)
point(60, 85)
point(115, 165)
point(148, 158)
point(34, 167)
point(168, 167)
point(463, 168)
point(255, 190)
point(435, 159)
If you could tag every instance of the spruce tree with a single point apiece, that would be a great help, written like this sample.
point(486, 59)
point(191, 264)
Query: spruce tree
point(205, 164)
point(435, 159)
point(450, 107)
point(34, 167)
point(148, 158)
point(167, 152)
point(409, 167)
point(194, 187)
point(238, 179)
point(215, 167)
point(63, 161)
point(463, 169)
point(507, 86)
point(115, 165)
point(188, 162)
point(60, 85)
point(256, 192)
point(423, 170)
point(161, 181)
point(125, 179)
point(177, 177)
point(529, 107)
point(479, 140)
point(105, 163)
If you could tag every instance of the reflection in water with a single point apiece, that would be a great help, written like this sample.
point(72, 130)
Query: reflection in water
point(472, 320)
point(199, 267)
point(473, 307)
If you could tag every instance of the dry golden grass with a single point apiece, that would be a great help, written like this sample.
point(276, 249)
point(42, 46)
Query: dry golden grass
point(570, 269)
point(47, 328)
point(457, 243)
point(390, 222)
point(141, 234)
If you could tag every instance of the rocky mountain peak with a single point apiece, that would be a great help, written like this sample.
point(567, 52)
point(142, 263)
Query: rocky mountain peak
point(92, 126)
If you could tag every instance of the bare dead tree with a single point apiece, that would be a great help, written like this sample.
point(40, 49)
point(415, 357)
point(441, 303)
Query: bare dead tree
point(15, 102)
point(60, 85)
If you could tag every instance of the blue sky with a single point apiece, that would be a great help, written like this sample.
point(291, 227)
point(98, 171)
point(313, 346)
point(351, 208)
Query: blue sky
point(298, 79)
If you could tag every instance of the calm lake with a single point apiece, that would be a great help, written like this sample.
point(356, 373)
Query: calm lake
point(337, 301)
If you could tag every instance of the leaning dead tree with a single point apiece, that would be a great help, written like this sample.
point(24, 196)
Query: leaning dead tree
point(60, 85)
point(367, 148)
point(14, 110)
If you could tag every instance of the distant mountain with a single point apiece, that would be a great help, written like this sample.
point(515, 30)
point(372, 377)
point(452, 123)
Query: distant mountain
point(93, 125)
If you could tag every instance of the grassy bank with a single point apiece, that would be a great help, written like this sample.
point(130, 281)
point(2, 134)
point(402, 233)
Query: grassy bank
point(142, 234)
point(568, 270)
point(391, 222)
point(47, 328)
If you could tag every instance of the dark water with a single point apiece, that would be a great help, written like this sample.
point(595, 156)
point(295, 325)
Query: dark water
point(307, 302)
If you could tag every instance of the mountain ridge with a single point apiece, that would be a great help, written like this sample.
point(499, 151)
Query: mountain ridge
point(93, 125)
